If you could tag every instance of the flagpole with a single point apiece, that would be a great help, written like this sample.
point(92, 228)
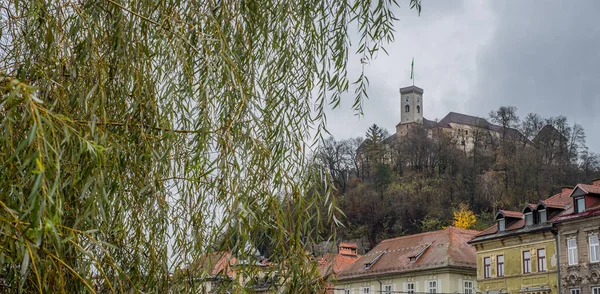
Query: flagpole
point(412, 71)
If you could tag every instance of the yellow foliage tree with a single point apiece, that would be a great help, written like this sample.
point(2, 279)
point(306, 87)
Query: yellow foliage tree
point(464, 218)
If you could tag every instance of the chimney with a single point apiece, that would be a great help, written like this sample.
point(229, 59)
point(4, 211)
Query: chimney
point(349, 249)
point(596, 182)
point(566, 189)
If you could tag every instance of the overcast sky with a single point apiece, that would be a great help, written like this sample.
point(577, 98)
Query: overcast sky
point(475, 56)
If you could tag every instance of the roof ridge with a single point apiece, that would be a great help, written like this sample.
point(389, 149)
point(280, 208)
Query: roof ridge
point(413, 235)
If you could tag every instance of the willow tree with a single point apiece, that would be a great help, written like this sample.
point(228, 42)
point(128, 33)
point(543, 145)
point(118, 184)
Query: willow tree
point(138, 136)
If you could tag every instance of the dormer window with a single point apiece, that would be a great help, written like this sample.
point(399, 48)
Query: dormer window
point(501, 224)
point(579, 204)
point(528, 218)
point(542, 216)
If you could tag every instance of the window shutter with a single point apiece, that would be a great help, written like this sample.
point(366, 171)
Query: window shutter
point(461, 286)
point(404, 287)
point(439, 287)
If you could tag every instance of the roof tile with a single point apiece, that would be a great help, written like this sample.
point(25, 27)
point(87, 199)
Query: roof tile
point(446, 247)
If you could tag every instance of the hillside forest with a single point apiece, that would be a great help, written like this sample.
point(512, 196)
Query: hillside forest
point(389, 188)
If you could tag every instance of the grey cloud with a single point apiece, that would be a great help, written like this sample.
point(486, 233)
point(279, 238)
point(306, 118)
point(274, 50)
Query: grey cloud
point(473, 57)
point(544, 57)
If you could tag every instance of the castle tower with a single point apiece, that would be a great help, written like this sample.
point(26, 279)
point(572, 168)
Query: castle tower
point(411, 105)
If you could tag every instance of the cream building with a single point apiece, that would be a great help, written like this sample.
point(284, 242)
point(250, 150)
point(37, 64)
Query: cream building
point(432, 262)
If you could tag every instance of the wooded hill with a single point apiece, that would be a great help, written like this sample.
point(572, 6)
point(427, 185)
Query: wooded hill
point(415, 184)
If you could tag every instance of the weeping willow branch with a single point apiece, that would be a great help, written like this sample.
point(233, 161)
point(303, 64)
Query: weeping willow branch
point(138, 139)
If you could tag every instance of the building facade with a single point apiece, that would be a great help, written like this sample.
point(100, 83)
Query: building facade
point(432, 262)
point(518, 254)
point(578, 232)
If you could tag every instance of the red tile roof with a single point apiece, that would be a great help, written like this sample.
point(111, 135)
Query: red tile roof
point(330, 263)
point(559, 200)
point(446, 248)
point(569, 213)
point(510, 213)
point(590, 189)
point(214, 264)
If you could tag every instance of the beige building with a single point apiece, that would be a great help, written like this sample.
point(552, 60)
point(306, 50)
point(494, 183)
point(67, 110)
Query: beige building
point(578, 239)
point(518, 254)
point(432, 262)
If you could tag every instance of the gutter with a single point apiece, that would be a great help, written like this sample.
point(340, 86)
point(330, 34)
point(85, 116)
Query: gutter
point(555, 233)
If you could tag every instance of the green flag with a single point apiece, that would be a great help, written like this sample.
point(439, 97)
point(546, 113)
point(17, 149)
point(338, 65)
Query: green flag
point(412, 68)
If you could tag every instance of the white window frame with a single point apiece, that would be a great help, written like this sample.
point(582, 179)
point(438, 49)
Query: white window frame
point(487, 267)
point(575, 291)
point(499, 273)
point(594, 248)
point(347, 291)
point(572, 252)
point(388, 289)
point(542, 261)
point(408, 288)
point(526, 262)
point(429, 288)
point(366, 290)
point(595, 290)
point(469, 289)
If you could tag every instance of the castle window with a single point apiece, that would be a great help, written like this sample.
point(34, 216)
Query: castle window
point(418, 109)
point(407, 108)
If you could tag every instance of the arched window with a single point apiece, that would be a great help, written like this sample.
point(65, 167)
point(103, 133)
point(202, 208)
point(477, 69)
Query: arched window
point(418, 109)
point(407, 108)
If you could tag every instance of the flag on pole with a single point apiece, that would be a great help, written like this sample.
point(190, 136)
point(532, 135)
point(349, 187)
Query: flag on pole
point(412, 68)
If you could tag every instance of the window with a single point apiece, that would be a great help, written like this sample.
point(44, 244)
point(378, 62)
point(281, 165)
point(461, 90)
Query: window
point(418, 109)
point(541, 260)
point(432, 286)
point(580, 204)
point(528, 219)
point(347, 291)
point(410, 288)
point(366, 290)
point(595, 290)
point(468, 287)
point(526, 262)
point(501, 224)
point(500, 265)
point(574, 291)
point(487, 271)
point(594, 257)
point(542, 216)
point(572, 252)
point(387, 289)
point(407, 108)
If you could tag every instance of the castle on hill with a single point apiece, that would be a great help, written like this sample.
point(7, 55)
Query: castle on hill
point(463, 128)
